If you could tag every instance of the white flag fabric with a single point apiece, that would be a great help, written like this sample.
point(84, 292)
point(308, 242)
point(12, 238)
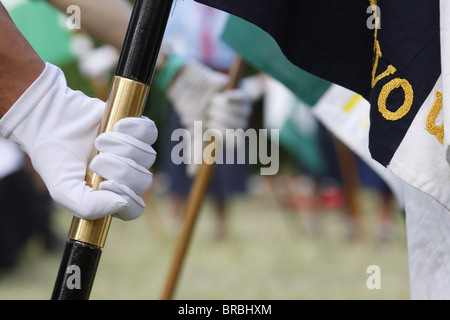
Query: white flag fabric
point(428, 195)
point(428, 241)
point(400, 64)
point(346, 115)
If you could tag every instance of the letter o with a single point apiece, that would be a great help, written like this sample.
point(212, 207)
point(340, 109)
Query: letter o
point(386, 91)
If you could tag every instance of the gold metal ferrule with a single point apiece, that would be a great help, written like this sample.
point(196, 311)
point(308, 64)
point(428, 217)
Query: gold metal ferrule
point(126, 99)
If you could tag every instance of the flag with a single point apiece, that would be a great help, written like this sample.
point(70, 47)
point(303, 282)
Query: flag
point(395, 64)
point(343, 112)
point(45, 29)
point(326, 38)
point(405, 82)
point(298, 128)
point(282, 109)
point(346, 114)
point(261, 51)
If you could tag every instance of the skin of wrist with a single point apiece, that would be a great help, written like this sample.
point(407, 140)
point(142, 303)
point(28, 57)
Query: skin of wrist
point(20, 65)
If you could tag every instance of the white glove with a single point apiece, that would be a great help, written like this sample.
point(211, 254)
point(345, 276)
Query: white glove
point(231, 109)
point(57, 127)
point(192, 90)
point(190, 93)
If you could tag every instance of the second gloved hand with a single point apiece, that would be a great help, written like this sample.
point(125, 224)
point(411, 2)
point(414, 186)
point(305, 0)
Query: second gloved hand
point(231, 109)
point(57, 128)
point(192, 90)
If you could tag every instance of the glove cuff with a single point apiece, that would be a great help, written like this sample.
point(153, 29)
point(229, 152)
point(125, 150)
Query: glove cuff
point(196, 80)
point(28, 100)
point(49, 109)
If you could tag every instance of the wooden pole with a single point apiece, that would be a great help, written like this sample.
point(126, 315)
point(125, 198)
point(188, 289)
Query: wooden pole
point(195, 199)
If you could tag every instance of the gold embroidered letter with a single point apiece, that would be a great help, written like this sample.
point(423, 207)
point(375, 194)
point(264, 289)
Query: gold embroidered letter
point(431, 126)
point(390, 69)
point(386, 91)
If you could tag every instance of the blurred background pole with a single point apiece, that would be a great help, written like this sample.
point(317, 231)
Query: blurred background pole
point(351, 185)
point(127, 98)
point(196, 196)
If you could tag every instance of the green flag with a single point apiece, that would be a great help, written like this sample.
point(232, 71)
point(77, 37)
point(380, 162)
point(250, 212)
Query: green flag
point(302, 141)
point(260, 50)
point(45, 29)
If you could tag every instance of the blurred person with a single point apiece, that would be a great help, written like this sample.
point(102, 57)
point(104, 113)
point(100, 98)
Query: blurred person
point(26, 206)
point(385, 199)
point(192, 40)
point(314, 184)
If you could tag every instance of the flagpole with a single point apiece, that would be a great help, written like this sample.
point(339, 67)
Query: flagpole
point(196, 196)
point(127, 98)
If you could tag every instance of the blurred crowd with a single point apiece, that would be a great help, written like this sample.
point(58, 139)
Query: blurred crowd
point(324, 176)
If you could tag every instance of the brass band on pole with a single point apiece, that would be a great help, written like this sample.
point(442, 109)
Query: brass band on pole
point(127, 98)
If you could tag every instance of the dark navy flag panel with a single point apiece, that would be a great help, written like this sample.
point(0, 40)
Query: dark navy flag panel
point(329, 39)
point(409, 43)
point(394, 67)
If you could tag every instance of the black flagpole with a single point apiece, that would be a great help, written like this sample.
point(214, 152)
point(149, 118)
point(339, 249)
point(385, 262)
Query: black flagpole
point(127, 98)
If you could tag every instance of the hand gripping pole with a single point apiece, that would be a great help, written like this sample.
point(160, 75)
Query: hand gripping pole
point(127, 98)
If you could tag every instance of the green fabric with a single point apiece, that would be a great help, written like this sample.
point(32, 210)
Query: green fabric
point(304, 146)
point(169, 70)
point(45, 29)
point(261, 51)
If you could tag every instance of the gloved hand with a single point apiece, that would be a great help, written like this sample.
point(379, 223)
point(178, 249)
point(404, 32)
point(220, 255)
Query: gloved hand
point(231, 109)
point(192, 90)
point(57, 127)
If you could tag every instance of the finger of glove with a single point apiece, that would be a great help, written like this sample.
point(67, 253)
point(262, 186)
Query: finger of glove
point(91, 204)
point(236, 96)
point(193, 90)
point(126, 146)
point(223, 126)
point(254, 86)
point(196, 76)
point(141, 128)
point(222, 120)
point(63, 171)
point(123, 171)
point(218, 112)
point(222, 102)
point(135, 205)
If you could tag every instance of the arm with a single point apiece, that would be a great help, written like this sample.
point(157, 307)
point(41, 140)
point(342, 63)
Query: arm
point(97, 14)
point(57, 127)
point(105, 20)
point(20, 65)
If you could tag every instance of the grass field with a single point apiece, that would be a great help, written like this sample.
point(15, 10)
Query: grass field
point(268, 253)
